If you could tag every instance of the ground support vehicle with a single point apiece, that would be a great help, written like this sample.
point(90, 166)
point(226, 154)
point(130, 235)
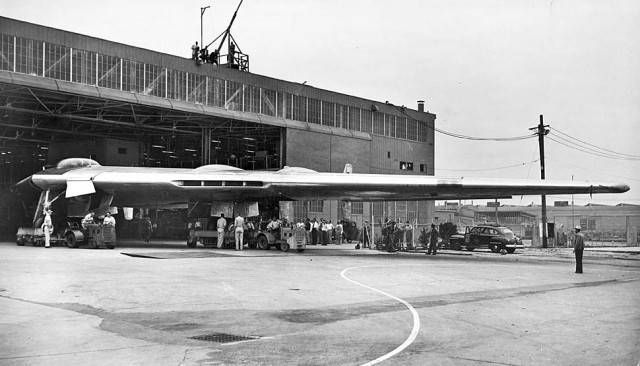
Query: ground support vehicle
point(35, 237)
point(285, 238)
point(495, 238)
point(94, 235)
point(208, 238)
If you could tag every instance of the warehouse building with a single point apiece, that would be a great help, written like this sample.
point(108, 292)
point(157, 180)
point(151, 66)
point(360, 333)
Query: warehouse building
point(64, 94)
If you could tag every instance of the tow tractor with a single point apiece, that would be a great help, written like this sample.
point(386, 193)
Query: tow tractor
point(94, 235)
point(284, 239)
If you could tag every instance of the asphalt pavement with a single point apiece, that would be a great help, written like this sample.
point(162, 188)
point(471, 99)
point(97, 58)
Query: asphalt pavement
point(164, 304)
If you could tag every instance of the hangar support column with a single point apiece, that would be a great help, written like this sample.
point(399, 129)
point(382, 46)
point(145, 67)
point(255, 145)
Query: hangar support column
point(206, 146)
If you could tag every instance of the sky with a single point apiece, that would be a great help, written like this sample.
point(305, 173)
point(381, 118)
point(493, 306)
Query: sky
point(486, 69)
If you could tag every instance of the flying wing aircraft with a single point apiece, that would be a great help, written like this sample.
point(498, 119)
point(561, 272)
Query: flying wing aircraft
point(86, 184)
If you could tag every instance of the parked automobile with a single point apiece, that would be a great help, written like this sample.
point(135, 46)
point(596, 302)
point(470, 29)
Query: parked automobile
point(495, 238)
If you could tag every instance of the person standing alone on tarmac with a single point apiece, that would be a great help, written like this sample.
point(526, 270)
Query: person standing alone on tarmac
point(433, 240)
point(47, 227)
point(222, 224)
point(239, 232)
point(578, 248)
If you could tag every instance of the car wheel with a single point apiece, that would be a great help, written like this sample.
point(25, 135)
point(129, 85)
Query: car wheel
point(21, 242)
point(470, 249)
point(494, 248)
point(284, 247)
point(191, 243)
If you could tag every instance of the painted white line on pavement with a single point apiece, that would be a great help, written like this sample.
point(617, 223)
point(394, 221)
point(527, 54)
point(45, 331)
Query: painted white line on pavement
point(416, 318)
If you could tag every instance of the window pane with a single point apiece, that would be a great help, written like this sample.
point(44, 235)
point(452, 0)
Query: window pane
point(234, 96)
point(299, 108)
point(378, 123)
point(354, 118)
point(57, 62)
point(155, 81)
point(6, 52)
point(365, 123)
point(109, 72)
point(84, 67)
point(328, 114)
point(268, 102)
point(29, 56)
point(314, 110)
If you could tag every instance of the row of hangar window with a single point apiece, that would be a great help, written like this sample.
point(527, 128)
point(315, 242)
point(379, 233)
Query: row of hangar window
point(27, 56)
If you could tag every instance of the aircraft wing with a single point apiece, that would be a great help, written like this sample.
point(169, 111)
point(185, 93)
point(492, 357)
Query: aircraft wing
point(147, 187)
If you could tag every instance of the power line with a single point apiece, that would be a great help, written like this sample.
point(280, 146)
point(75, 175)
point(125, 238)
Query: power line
point(589, 151)
point(597, 147)
point(488, 169)
point(465, 137)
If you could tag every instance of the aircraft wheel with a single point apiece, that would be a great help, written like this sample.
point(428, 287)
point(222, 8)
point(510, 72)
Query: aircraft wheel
point(300, 250)
point(263, 243)
point(284, 247)
point(511, 250)
point(71, 241)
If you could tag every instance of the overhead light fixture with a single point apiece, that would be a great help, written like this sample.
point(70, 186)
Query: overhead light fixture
point(190, 150)
point(249, 138)
point(251, 151)
point(215, 141)
point(44, 147)
point(158, 146)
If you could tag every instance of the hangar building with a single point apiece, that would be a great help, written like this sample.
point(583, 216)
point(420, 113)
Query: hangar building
point(64, 94)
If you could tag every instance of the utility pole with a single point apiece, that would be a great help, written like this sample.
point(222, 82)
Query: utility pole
point(542, 130)
point(202, 10)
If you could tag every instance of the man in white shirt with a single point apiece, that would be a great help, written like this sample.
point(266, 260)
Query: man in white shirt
point(47, 227)
point(222, 224)
point(274, 225)
point(109, 220)
point(239, 232)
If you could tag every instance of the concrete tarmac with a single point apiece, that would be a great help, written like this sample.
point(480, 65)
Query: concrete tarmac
point(165, 304)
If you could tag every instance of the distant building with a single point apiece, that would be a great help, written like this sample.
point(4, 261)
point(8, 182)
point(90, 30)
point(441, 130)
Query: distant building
point(599, 223)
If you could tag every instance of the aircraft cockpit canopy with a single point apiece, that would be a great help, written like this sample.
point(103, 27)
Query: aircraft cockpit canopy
point(76, 163)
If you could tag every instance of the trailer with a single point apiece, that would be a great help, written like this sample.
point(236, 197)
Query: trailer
point(35, 237)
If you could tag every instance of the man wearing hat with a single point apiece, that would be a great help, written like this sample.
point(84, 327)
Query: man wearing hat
point(578, 248)
point(47, 227)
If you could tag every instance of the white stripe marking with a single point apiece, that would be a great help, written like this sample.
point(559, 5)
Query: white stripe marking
point(416, 319)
